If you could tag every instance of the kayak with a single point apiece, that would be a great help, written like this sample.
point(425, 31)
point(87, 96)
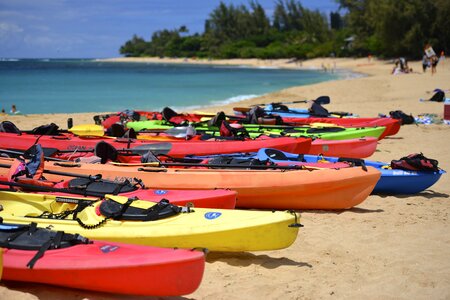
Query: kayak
point(124, 220)
point(271, 189)
point(75, 146)
point(392, 181)
point(220, 198)
point(255, 130)
point(392, 126)
point(354, 148)
point(99, 266)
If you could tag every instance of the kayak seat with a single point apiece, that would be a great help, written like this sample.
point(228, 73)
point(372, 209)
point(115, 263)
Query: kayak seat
point(105, 151)
point(279, 155)
point(117, 211)
point(48, 129)
point(29, 237)
point(91, 186)
point(9, 127)
point(167, 113)
point(116, 130)
point(217, 120)
point(130, 134)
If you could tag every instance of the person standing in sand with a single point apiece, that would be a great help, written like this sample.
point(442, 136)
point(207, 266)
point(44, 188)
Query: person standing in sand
point(442, 58)
point(434, 61)
point(425, 63)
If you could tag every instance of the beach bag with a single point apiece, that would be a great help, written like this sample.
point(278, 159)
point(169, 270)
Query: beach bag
point(400, 115)
point(415, 162)
point(439, 96)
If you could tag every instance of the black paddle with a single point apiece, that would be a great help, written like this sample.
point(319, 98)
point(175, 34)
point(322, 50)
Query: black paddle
point(51, 189)
point(225, 166)
point(158, 148)
point(67, 174)
point(320, 100)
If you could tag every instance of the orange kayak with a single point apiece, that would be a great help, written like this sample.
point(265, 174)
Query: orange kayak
point(270, 189)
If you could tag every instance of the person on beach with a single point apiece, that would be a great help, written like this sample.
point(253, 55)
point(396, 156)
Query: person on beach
point(442, 57)
point(425, 62)
point(14, 110)
point(434, 61)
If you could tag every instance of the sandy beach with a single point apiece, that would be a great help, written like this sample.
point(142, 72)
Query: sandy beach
point(389, 247)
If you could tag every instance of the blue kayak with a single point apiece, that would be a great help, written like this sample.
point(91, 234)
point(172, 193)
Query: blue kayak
point(392, 181)
point(290, 113)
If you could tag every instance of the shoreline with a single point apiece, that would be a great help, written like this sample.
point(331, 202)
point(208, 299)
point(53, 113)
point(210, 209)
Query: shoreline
point(388, 247)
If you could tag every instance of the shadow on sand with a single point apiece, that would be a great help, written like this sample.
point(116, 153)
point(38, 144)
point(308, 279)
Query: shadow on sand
point(429, 194)
point(356, 210)
point(49, 292)
point(245, 259)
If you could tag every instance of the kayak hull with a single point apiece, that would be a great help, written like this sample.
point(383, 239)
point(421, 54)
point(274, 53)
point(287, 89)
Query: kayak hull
point(100, 266)
point(353, 148)
point(392, 181)
point(392, 126)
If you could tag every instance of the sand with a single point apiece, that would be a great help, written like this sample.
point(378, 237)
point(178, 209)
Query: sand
point(389, 247)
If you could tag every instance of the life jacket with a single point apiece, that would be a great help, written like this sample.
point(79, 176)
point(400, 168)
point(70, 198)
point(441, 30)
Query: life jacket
point(415, 162)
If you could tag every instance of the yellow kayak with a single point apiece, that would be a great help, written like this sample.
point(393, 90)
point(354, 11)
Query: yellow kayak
point(119, 219)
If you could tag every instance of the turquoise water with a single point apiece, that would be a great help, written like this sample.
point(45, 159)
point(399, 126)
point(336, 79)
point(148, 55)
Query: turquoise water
point(56, 86)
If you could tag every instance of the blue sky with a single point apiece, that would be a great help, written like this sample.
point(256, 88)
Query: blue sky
point(97, 28)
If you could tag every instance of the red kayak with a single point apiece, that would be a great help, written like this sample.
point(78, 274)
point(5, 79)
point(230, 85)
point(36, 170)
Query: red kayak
point(82, 146)
point(353, 148)
point(101, 266)
point(392, 125)
point(97, 187)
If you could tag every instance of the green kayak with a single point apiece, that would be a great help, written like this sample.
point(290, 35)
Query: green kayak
point(254, 130)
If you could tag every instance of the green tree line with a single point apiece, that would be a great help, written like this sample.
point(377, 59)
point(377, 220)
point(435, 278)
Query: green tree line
point(386, 28)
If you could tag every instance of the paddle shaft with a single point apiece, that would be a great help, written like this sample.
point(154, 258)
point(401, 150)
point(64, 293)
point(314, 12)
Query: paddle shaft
point(51, 189)
point(22, 152)
point(224, 166)
point(67, 174)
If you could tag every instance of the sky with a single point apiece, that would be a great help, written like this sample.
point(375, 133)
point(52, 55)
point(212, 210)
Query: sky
point(97, 28)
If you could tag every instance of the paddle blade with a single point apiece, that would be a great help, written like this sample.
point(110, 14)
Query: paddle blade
point(155, 148)
point(323, 100)
point(88, 130)
point(242, 110)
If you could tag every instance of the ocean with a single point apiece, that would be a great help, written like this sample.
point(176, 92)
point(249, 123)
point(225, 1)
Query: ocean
point(82, 85)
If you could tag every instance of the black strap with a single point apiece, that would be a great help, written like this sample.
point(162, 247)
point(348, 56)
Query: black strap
point(40, 253)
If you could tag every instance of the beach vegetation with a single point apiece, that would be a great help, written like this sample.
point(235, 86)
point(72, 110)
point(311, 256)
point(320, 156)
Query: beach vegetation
point(379, 27)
